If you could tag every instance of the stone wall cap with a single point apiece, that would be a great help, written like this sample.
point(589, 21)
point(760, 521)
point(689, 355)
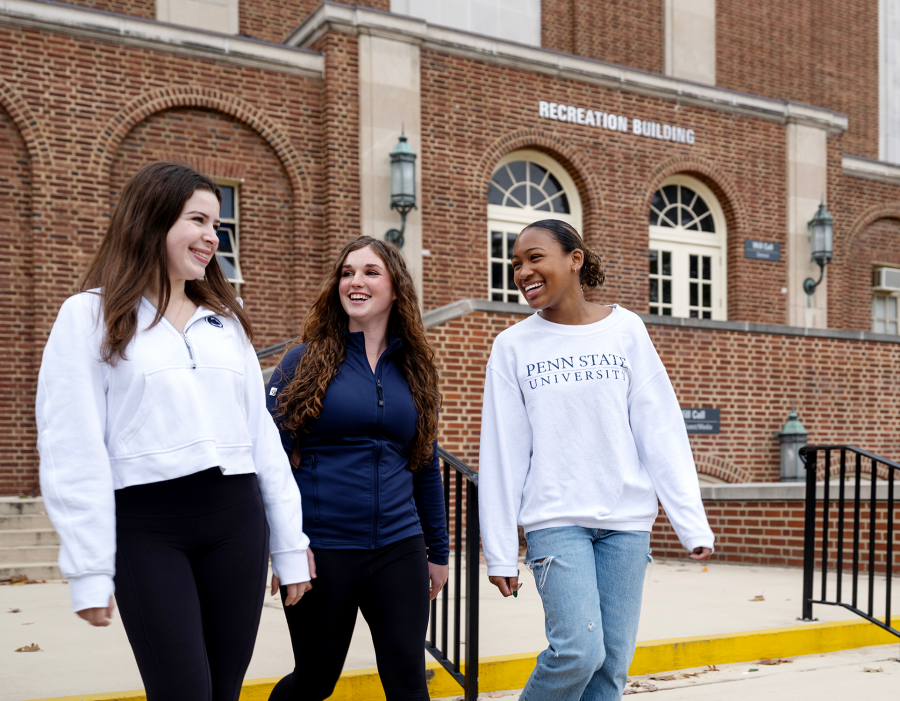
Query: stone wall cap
point(363, 20)
point(793, 491)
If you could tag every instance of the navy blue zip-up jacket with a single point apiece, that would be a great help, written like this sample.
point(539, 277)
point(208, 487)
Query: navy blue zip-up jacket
point(354, 479)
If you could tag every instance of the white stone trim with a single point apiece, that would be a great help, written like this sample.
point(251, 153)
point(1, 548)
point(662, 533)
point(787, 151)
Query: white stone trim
point(150, 34)
point(791, 491)
point(870, 169)
point(361, 20)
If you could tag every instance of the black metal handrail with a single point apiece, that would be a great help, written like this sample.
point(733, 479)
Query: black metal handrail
point(465, 487)
point(272, 350)
point(810, 454)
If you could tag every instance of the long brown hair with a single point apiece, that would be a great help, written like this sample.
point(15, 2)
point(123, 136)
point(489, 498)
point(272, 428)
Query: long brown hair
point(132, 256)
point(323, 333)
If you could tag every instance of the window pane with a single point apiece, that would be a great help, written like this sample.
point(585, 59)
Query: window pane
point(510, 243)
point(536, 173)
point(654, 265)
point(654, 290)
point(699, 207)
point(495, 196)
point(694, 295)
point(654, 217)
point(501, 177)
point(667, 312)
point(520, 192)
point(667, 292)
point(544, 206)
point(496, 296)
point(707, 268)
point(552, 186)
point(226, 211)
point(892, 307)
point(878, 325)
point(510, 279)
point(685, 218)
point(518, 170)
point(879, 306)
point(497, 276)
point(694, 314)
point(227, 265)
point(670, 192)
point(536, 196)
point(707, 295)
point(707, 224)
point(667, 263)
point(561, 205)
point(707, 315)
point(658, 201)
point(496, 244)
point(224, 239)
point(654, 310)
point(892, 327)
point(695, 260)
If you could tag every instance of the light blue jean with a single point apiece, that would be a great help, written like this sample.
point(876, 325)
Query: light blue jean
point(591, 582)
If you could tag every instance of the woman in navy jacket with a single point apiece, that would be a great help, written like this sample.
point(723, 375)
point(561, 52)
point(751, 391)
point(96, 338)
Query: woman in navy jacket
point(356, 404)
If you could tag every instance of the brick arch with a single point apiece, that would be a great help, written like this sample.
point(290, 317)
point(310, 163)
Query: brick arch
point(728, 192)
point(869, 217)
point(120, 125)
point(719, 467)
point(29, 127)
point(553, 145)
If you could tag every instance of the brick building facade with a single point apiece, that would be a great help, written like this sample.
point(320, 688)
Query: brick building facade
point(744, 117)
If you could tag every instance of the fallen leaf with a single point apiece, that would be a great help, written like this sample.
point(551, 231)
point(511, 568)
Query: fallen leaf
point(496, 696)
point(29, 648)
point(758, 598)
point(663, 678)
point(14, 611)
point(635, 683)
point(753, 669)
point(767, 661)
point(628, 691)
point(712, 668)
point(704, 570)
point(649, 687)
point(872, 669)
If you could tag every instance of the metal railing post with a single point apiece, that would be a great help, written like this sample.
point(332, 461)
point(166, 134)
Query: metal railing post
point(473, 575)
point(809, 535)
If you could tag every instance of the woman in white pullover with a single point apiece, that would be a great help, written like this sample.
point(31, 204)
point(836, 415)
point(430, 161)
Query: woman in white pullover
point(581, 433)
point(160, 466)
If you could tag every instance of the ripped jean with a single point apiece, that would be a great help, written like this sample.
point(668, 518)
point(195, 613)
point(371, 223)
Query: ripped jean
point(591, 582)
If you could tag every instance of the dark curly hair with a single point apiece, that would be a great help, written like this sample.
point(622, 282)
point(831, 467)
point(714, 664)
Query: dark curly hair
point(591, 273)
point(300, 402)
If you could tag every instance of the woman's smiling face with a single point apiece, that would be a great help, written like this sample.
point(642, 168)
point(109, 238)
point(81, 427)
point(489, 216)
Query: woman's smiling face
point(365, 288)
point(192, 241)
point(543, 272)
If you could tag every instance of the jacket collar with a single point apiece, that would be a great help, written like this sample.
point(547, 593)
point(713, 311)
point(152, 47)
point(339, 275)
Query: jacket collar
point(357, 341)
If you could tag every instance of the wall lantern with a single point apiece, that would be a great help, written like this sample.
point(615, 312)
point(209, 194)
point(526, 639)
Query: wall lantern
point(793, 437)
point(821, 229)
point(403, 186)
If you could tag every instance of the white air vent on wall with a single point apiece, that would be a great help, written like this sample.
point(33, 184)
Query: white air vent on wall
point(886, 280)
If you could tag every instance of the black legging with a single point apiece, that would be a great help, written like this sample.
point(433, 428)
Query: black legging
point(191, 562)
point(390, 586)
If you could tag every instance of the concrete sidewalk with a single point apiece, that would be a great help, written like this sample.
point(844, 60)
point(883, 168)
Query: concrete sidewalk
point(871, 673)
point(681, 599)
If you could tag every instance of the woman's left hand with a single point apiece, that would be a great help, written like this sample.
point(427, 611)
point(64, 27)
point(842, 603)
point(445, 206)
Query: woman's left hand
point(701, 554)
point(438, 575)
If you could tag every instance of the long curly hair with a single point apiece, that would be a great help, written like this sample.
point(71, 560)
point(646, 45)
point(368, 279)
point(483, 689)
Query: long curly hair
point(324, 331)
point(132, 256)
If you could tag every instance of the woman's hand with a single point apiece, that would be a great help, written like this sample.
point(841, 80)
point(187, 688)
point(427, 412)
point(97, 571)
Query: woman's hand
point(100, 617)
point(701, 554)
point(506, 585)
point(438, 575)
point(295, 592)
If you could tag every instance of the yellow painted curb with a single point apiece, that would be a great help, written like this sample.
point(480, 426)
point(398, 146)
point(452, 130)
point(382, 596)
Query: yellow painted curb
point(512, 671)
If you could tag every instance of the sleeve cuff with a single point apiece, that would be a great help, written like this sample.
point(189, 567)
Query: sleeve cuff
point(503, 571)
point(291, 567)
point(699, 542)
point(438, 559)
point(90, 591)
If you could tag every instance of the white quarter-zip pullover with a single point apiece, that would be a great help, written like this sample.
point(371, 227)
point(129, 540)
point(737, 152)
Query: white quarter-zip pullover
point(581, 427)
point(178, 404)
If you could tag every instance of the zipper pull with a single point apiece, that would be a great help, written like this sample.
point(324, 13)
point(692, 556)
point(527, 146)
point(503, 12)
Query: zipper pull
point(380, 392)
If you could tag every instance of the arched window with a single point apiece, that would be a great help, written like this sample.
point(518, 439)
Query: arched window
point(687, 274)
point(526, 186)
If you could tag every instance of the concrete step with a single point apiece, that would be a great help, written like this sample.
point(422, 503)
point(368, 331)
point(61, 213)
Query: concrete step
point(25, 523)
point(36, 536)
point(29, 553)
point(34, 570)
point(13, 506)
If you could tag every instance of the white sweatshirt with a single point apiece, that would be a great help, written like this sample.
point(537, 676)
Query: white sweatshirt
point(179, 404)
point(581, 427)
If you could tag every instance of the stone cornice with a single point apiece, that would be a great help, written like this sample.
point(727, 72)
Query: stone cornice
point(360, 20)
point(870, 169)
point(455, 310)
point(159, 36)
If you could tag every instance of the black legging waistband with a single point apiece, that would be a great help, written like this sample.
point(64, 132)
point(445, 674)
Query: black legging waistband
point(191, 495)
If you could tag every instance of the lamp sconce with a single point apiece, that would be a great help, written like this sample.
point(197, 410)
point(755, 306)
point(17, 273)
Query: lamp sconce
point(821, 230)
point(403, 187)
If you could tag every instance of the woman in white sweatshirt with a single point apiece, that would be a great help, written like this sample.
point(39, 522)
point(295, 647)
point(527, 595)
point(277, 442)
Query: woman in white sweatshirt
point(160, 466)
point(581, 433)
